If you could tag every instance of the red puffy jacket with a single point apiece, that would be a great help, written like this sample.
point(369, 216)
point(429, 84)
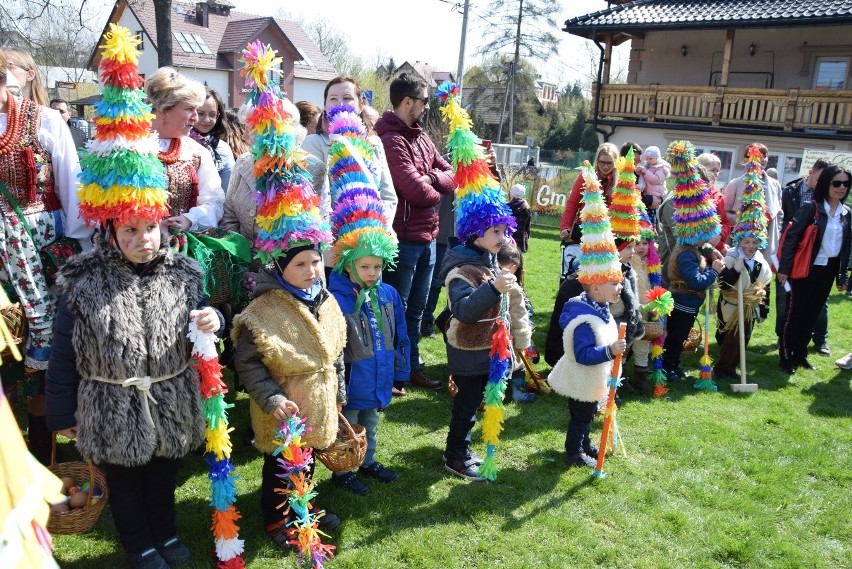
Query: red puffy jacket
point(411, 154)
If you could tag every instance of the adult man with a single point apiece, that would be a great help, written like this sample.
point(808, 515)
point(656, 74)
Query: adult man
point(793, 195)
point(421, 178)
point(78, 135)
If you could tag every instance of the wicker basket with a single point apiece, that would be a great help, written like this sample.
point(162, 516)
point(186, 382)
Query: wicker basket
point(347, 452)
point(693, 340)
point(81, 519)
point(13, 316)
point(653, 330)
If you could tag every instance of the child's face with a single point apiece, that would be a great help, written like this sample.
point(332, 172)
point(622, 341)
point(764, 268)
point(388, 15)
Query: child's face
point(607, 292)
point(138, 239)
point(640, 249)
point(625, 254)
point(493, 238)
point(651, 160)
point(303, 271)
point(511, 267)
point(749, 245)
point(368, 269)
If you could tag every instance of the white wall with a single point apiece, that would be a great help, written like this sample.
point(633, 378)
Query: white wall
point(148, 57)
point(309, 90)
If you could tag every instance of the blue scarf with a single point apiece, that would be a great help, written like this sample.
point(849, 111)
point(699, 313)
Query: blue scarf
point(601, 309)
point(308, 295)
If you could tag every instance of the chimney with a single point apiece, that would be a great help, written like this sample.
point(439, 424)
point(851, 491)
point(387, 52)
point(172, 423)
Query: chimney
point(202, 14)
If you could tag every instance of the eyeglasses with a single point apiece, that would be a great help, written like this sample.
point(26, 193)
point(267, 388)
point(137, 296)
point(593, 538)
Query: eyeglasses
point(606, 162)
point(424, 100)
point(838, 183)
point(204, 116)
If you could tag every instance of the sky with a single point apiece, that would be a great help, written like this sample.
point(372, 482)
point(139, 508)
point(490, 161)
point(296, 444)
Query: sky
point(430, 31)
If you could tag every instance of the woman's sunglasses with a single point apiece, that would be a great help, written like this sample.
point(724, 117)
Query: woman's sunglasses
point(838, 183)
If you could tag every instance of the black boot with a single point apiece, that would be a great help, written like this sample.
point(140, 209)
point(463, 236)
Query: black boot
point(39, 438)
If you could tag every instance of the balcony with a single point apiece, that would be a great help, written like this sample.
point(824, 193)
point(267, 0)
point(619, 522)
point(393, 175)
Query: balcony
point(798, 112)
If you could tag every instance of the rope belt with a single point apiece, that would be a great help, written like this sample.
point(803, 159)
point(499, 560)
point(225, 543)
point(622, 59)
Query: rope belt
point(143, 384)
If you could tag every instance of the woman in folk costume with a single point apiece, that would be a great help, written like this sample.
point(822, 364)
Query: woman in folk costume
point(38, 173)
point(194, 186)
point(697, 230)
point(120, 379)
point(289, 340)
point(745, 269)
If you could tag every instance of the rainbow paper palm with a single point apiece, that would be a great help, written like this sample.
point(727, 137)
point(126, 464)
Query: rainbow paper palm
point(695, 219)
point(599, 261)
point(121, 176)
point(751, 220)
point(624, 205)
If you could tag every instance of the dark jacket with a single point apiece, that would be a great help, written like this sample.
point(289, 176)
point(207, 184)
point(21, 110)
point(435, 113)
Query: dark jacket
point(791, 200)
point(411, 154)
point(521, 210)
point(804, 217)
point(370, 372)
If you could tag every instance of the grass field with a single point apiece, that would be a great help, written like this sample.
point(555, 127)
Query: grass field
point(708, 480)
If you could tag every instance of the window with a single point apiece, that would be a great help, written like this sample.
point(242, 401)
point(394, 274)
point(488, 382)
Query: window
point(192, 43)
point(140, 35)
point(831, 73)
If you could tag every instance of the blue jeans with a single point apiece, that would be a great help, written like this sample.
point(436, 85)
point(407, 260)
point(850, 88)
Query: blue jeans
point(411, 279)
point(435, 287)
point(369, 418)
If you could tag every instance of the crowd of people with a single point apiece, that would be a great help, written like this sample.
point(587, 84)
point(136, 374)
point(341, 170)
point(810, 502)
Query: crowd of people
point(345, 278)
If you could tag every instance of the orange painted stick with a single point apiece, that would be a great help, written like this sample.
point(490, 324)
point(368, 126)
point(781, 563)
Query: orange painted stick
point(610, 404)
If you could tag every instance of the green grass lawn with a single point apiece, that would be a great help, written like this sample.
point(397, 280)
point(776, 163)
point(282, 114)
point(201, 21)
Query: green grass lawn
point(708, 480)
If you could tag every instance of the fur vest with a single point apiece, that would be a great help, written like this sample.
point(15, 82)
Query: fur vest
point(575, 380)
point(476, 336)
point(129, 325)
point(299, 351)
point(675, 279)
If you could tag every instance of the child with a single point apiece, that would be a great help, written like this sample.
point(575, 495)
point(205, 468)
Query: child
point(521, 210)
point(745, 268)
point(641, 347)
point(697, 230)
point(377, 346)
point(652, 179)
point(590, 337)
point(509, 259)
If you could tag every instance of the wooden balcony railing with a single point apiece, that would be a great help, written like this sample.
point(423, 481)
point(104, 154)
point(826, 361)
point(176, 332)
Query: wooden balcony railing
point(788, 110)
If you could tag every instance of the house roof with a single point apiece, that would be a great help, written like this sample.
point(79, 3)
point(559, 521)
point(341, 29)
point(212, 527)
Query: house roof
point(647, 15)
point(225, 34)
point(432, 75)
point(484, 102)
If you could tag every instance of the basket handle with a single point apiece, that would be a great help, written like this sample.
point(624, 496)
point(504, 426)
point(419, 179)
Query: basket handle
point(345, 424)
point(88, 463)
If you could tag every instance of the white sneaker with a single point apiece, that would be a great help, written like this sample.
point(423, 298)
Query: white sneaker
point(845, 362)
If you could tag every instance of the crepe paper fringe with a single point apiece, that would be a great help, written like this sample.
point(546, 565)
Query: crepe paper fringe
point(287, 208)
point(752, 218)
point(695, 218)
point(295, 459)
point(223, 492)
point(705, 374)
point(480, 201)
point(646, 229)
point(121, 177)
point(358, 219)
point(599, 262)
point(624, 211)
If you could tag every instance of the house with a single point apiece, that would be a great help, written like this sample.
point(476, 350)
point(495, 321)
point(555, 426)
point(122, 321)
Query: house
point(208, 38)
point(432, 75)
point(546, 93)
point(725, 73)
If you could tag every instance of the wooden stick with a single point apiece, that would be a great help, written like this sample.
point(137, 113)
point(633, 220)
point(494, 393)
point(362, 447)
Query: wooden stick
point(610, 405)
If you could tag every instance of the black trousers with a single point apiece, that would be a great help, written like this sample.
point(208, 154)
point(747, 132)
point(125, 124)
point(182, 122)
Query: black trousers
point(269, 481)
point(803, 308)
point(580, 417)
point(142, 501)
point(677, 330)
point(463, 417)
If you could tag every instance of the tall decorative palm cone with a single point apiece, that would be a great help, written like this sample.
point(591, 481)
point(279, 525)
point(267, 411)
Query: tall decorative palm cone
point(480, 203)
point(599, 262)
point(752, 218)
point(695, 219)
point(624, 211)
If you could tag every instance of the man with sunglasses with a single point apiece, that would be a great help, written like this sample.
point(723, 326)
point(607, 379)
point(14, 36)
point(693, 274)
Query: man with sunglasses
point(421, 178)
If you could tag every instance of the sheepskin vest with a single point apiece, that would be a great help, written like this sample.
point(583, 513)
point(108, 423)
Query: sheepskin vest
point(575, 380)
point(476, 336)
point(299, 351)
point(675, 279)
point(129, 325)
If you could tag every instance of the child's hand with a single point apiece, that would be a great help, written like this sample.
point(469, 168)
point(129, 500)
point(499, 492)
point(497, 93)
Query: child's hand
point(206, 319)
point(739, 264)
point(618, 347)
point(504, 280)
point(285, 409)
point(718, 265)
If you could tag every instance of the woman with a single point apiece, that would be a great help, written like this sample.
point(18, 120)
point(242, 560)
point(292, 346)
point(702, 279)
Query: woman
point(210, 130)
point(38, 168)
point(830, 260)
point(569, 227)
point(309, 115)
point(195, 189)
point(345, 90)
point(22, 65)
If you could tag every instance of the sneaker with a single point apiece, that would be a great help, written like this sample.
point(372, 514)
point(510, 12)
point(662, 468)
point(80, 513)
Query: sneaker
point(281, 535)
point(591, 451)
point(379, 472)
point(420, 379)
point(148, 559)
point(580, 459)
point(676, 374)
point(348, 481)
point(786, 366)
point(463, 469)
point(328, 522)
point(174, 552)
point(470, 458)
point(398, 392)
point(845, 362)
point(806, 364)
point(427, 329)
point(823, 349)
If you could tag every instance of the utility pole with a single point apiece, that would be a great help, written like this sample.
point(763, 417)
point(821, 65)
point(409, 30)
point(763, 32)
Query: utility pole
point(515, 73)
point(505, 100)
point(460, 71)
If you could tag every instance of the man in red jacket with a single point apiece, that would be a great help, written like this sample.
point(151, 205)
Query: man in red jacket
point(421, 178)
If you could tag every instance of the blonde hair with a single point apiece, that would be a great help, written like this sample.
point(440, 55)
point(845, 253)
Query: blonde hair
point(707, 159)
point(166, 88)
point(34, 88)
point(609, 149)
